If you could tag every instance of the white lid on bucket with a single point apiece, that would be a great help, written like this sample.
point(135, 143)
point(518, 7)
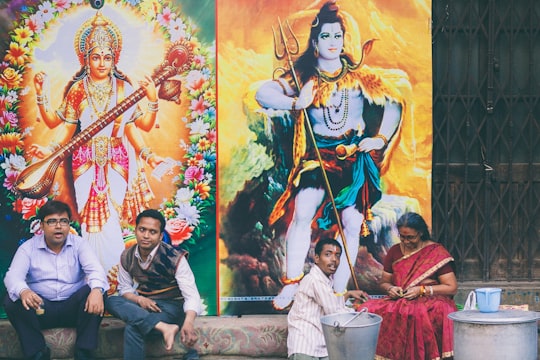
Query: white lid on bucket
point(499, 317)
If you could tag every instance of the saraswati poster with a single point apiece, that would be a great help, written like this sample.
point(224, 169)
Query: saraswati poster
point(325, 131)
point(111, 131)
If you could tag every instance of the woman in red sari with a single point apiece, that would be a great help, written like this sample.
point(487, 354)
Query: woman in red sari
point(420, 282)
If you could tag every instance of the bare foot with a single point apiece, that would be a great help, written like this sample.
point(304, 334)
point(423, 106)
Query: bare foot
point(169, 332)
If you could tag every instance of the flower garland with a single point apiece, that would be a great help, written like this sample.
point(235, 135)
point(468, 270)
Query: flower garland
point(190, 211)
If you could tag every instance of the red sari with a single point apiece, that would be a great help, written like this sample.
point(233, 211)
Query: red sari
point(416, 329)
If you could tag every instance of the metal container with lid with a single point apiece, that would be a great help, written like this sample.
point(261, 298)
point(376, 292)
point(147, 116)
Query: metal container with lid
point(501, 335)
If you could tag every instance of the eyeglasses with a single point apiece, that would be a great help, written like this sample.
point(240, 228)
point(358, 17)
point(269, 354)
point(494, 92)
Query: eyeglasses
point(408, 237)
point(54, 222)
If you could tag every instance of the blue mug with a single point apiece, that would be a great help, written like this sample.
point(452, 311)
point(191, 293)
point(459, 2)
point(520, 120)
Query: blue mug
point(488, 299)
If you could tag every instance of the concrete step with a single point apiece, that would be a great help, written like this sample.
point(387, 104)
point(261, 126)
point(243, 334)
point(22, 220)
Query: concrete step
point(227, 338)
point(203, 357)
point(224, 337)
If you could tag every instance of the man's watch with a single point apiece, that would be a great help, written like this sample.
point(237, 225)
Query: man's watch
point(100, 289)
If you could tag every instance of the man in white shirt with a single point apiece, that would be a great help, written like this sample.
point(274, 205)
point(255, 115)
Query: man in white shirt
point(157, 290)
point(314, 298)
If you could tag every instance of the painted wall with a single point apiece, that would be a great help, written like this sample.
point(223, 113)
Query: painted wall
point(217, 203)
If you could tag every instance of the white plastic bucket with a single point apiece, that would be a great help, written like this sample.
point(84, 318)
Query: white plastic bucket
point(488, 299)
point(351, 336)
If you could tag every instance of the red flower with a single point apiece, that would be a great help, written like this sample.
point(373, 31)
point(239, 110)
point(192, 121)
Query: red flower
point(28, 207)
point(198, 106)
point(193, 173)
point(179, 230)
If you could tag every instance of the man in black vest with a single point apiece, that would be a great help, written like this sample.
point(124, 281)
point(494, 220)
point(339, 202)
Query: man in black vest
point(157, 290)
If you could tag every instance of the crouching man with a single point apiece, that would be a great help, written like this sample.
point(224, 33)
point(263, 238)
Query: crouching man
point(157, 291)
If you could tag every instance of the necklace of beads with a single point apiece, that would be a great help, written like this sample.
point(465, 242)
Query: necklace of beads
point(98, 93)
point(330, 122)
point(342, 73)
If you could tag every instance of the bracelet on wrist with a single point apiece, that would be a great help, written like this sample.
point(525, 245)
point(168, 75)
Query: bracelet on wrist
point(145, 153)
point(41, 100)
point(381, 136)
point(153, 106)
point(293, 104)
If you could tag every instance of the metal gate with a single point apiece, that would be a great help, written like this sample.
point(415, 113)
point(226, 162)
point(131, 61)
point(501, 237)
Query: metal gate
point(486, 137)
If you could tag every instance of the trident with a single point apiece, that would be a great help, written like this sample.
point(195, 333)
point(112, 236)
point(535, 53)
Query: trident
point(285, 49)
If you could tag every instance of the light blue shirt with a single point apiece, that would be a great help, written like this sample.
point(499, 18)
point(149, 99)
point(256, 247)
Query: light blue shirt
point(54, 276)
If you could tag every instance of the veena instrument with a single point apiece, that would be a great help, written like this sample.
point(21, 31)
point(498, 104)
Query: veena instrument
point(36, 180)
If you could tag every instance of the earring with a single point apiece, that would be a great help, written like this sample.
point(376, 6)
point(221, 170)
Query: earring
point(316, 51)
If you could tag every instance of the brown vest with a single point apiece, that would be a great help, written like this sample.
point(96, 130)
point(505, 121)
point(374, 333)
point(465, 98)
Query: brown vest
point(157, 281)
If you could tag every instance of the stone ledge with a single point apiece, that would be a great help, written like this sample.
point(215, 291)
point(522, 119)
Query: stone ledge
point(513, 293)
point(221, 337)
point(251, 336)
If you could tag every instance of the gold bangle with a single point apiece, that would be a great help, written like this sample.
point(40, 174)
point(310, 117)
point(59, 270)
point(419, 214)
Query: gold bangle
point(381, 136)
point(293, 105)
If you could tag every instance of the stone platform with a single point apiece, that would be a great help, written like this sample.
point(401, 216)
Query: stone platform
point(227, 338)
point(224, 337)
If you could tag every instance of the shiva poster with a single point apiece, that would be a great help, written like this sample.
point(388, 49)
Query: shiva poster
point(110, 106)
point(325, 130)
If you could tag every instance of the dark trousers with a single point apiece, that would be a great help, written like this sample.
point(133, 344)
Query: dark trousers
point(140, 323)
point(66, 313)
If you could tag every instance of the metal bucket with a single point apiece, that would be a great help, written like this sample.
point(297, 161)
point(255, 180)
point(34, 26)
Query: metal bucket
point(502, 335)
point(351, 335)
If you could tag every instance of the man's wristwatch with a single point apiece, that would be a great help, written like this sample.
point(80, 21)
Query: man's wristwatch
point(100, 289)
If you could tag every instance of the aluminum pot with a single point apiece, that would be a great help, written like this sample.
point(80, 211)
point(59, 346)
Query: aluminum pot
point(351, 336)
point(501, 335)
